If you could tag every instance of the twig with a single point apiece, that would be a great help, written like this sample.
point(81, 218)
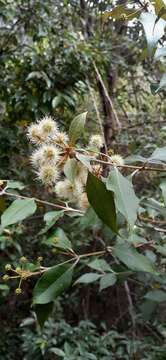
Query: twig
point(65, 208)
point(134, 167)
point(151, 221)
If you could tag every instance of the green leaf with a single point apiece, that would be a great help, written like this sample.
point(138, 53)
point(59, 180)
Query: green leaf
point(107, 280)
point(77, 127)
point(58, 352)
point(156, 296)
point(11, 184)
point(18, 211)
point(61, 240)
point(125, 198)
point(70, 169)
point(52, 284)
point(100, 265)
point(39, 75)
point(132, 259)
point(51, 218)
point(153, 31)
point(161, 249)
point(43, 312)
point(102, 201)
point(85, 160)
point(56, 101)
point(153, 88)
point(159, 154)
point(88, 278)
point(163, 189)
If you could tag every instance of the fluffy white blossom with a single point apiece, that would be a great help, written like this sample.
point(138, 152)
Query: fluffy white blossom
point(34, 134)
point(48, 126)
point(67, 190)
point(96, 141)
point(61, 138)
point(48, 174)
point(117, 160)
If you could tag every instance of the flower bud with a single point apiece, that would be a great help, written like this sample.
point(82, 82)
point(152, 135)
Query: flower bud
point(18, 291)
point(8, 267)
point(5, 278)
point(23, 260)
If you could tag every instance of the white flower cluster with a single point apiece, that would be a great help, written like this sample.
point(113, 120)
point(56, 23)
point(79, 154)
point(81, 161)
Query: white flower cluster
point(53, 150)
point(49, 159)
point(50, 142)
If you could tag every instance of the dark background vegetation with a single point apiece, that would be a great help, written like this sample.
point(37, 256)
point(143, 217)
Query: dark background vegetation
point(47, 49)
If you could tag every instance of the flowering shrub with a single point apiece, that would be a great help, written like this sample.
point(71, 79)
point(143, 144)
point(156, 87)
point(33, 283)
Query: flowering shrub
point(89, 181)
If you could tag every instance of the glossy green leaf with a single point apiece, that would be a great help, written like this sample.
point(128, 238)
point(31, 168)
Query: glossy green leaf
point(52, 284)
point(102, 201)
point(107, 280)
point(125, 198)
point(132, 258)
point(77, 127)
point(18, 211)
point(43, 311)
point(88, 278)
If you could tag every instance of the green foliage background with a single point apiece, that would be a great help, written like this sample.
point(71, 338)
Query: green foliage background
point(47, 51)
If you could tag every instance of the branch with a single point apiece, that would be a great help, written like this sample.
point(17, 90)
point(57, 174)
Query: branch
point(65, 208)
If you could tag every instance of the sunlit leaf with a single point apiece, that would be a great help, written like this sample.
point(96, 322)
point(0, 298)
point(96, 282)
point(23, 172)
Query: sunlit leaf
point(18, 211)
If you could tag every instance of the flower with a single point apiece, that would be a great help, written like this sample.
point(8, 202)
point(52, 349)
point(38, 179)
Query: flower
point(48, 174)
point(117, 160)
point(48, 126)
point(34, 134)
point(46, 154)
point(96, 141)
point(64, 189)
point(67, 190)
point(61, 138)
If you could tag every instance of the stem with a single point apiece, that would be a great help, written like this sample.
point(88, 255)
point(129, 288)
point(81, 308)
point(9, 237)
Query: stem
point(65, 208)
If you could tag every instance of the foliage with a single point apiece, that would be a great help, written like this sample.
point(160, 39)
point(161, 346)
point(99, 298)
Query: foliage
point(102, 212)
